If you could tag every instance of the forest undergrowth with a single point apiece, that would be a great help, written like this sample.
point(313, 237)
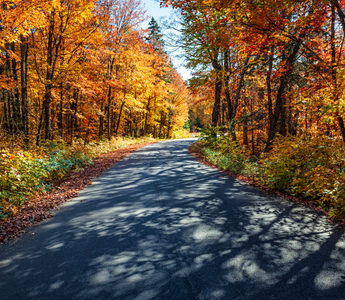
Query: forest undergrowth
point(35, 181)
point(305, 169)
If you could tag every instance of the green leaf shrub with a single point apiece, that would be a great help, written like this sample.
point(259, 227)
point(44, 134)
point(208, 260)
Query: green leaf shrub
point(309, 168)
point(221, 150)
point(24, 173)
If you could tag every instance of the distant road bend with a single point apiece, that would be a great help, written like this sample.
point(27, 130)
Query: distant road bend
point(159, 225)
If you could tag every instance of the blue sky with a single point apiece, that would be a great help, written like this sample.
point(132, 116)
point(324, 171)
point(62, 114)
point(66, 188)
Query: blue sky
point(154, 10)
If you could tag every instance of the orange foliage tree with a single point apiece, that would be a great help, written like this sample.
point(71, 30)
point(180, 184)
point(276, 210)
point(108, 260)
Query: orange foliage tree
point(279, 62)
point(84, 69)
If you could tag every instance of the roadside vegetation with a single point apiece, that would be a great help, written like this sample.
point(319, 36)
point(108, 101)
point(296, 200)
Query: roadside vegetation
point(24, 173)
point(27, 172)
point(269, 80)
point(311, 169)
point(79, 79)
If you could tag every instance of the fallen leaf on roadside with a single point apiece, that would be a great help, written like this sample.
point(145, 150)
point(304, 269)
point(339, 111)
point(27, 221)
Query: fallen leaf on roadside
point(39, 207)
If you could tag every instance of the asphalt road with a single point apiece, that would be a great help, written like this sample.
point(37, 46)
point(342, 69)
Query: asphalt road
point(160, 225)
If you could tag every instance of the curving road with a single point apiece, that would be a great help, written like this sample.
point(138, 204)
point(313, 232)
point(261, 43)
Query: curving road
point(160, 225)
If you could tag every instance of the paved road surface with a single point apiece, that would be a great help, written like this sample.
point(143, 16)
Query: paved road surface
point(160, 225)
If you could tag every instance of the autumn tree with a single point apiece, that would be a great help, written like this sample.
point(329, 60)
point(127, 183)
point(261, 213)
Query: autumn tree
point(71, 68)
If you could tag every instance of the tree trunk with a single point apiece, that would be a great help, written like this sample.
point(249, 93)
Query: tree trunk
point(269, 89)
point(146, 116)
point(109, 76)
point(334, 74)
point(161, 125)
point(217, 91)
point(253, 139)
point(9, 111)
point(16, 97)
point(108, 114)
point(239, 88)
point(282, 122)
point(73, 118)
point(135, 127)
point(289, 122)
point(24, 86)
point(61, 121)
point(119, 118)
point(39, 129)
point(53, 49)
point(49, 78)
point(46, 103)
point(336, 4)
point(100, 129)
point(6, 127)
point(130, 123)
point(245, 129)
point(120, 113)
point(169, 128)
point(7, 92)
point(227, 83)
point(52, 120)
point(237, 98)
point(87, 133)
point(280, 100)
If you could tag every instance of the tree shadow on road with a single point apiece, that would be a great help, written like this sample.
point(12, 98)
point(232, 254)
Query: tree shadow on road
point(162, 226)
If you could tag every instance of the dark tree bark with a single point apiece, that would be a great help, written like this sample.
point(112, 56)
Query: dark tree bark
point(74, 116)
point(119, 118)
point(135, 127)
point(24, 47)
point(39, 129)
point(223, 113)
point(3, 97)
point(334, 70)
point(161, 124)
point(108, 114)
point(120, 113)
point(269, 88)
point(245, 129)
point(237, 98)
point(289, 122)
point(280, 100)
point(252, 127)
point(54, 41)
point(147, 115)
point(61, 117)
point(216, 107)
point(336, 4)
point(253, 140)
point(49, 78)
point(16, 97)
point(7, 92)
point(239, 88)
point(218, 89)
point(130, 123)
point(101, 120)
point(109, 76)
point(168, 130)
point(61, 104)
point(227, 74)
point(53, 119)
point(282, 122)
point(9, 111)
point(342, 126)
